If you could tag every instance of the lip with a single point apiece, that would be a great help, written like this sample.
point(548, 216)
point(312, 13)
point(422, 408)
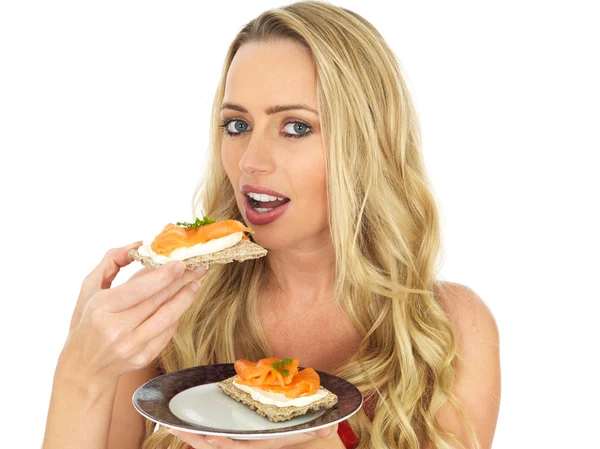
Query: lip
point(263, 218)
point(261, 189)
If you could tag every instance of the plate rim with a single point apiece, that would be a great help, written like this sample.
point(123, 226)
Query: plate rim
point(236, 434)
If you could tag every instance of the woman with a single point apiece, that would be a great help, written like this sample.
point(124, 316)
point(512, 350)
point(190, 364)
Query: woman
point(311, 108)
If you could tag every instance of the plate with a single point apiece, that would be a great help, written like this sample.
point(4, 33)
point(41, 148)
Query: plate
point(190, 400)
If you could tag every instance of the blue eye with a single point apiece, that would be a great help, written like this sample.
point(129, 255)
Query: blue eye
point(240, 127)
point(299, 127)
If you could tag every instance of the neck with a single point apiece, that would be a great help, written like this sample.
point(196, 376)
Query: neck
point(302, 275)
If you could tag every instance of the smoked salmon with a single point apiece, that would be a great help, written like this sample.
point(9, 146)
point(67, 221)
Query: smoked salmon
point(269, 371)
point(173, 236)
point(280, 376)
point(305, 383)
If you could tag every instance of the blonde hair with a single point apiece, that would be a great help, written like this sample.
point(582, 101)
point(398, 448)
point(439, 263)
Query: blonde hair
point(384, 227)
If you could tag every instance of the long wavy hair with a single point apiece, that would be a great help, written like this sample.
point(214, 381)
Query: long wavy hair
point(383, 223)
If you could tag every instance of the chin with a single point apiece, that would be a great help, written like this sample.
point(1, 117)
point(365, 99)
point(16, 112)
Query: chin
point(285, 237)
point(272, 240)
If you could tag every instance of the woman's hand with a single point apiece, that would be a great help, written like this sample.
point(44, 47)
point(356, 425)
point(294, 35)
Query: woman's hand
point(322, 438)
point(122, 329)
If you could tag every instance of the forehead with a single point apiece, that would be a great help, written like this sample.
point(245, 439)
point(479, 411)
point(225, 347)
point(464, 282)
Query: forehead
point(264, 74)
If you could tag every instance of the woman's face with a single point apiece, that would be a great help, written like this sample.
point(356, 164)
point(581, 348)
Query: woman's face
point(275, 152)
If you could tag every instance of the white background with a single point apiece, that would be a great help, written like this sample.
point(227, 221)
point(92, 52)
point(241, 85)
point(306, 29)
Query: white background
point(104, 110)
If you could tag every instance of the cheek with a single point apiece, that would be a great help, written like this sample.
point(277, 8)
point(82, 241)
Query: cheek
point(321, 174)
point(323, 192)
point(313, 184)
point(230, 163)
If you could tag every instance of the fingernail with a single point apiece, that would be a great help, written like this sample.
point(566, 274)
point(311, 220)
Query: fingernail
point(211, 442)
point(194, 286)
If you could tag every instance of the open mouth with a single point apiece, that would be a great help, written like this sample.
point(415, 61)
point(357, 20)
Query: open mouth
point(261, 202)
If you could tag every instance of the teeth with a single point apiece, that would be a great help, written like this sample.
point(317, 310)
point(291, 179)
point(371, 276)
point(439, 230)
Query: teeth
point(263, 197)
point(263, 209)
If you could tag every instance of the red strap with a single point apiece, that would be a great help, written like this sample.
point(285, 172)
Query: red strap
point(347, 435)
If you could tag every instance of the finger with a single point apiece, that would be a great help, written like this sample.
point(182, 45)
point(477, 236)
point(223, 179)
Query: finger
point(326, 431)
point(106, 271)
point(139, 313)
point(141, 272)
point(154, 347)
point(143, 286)
point(227, 443)
point(167, 315)
point(194, 440)
point(101, 277)
point(272, 443)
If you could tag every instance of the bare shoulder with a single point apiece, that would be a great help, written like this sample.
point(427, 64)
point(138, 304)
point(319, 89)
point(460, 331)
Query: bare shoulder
point(477, 383)
point(469, 314)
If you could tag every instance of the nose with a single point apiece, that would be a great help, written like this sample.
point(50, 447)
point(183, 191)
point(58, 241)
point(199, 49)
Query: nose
point(257, 159)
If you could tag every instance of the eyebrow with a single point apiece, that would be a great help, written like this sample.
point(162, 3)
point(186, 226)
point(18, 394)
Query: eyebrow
point(270, 110)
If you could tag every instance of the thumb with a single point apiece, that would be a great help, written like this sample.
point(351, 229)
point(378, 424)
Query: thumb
point(101, 277)
point(106, 271)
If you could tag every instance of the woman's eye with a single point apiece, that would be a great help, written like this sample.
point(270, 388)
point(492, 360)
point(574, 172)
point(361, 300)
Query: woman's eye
point(233, 127)
point(297, 129)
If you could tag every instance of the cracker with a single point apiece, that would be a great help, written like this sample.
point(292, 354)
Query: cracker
point(272, 412)
point(243, 250)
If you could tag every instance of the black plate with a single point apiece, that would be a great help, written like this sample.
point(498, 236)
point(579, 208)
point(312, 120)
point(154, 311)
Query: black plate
point(153, 398)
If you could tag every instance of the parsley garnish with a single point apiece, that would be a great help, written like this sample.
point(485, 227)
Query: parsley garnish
point(279, 365)
point(197, 223)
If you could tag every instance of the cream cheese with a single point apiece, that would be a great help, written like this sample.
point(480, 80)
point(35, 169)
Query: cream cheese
point(200, 249)
point(279, 399)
